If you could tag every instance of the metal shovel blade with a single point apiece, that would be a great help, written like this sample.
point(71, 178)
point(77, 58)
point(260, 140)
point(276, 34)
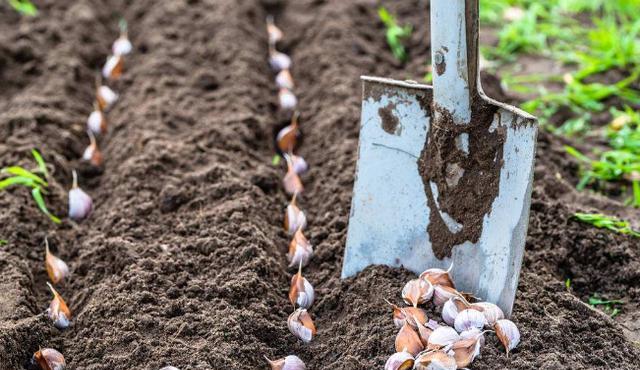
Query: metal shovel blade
point(444, 174)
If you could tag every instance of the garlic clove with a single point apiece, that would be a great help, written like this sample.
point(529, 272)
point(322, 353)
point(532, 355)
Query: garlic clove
point(424, 333)
point(449, 312)
point(301, 325)
point(291, 181)
point(275, 34)
point(474, 333)
point(290, 362)
point(507, 333)
point(465, 351)
point(435, 360)
point(415, 315)
point(294, 218)
point(279, 61)
point(106, 97)
point(287, 99)
point(417, 291)
point(301, 291)
point(122, 46)
point(92, 153)
point(408, 340)
point(57, 269)
point(300, 250)
point(442, 336)
point(80, 203)
point(438, 276)
point(49, 359)
point(58, 311)
point(284, 80)
point(468, 319)
point(443, 293)
point(299, 165)
point(490, 311)
point(97, 122)
point(399, 361)
point(112, 69)
point(287, 137)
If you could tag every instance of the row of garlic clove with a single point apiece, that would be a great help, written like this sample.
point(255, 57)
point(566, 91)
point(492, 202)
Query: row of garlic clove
point(51, 359)
point(424, 344)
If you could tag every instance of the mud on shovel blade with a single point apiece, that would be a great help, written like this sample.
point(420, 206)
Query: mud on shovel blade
point(444, 174)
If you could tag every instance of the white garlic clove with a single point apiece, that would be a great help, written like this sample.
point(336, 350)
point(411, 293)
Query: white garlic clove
point(301, 291)
point(49, 359)
point(287, 99)
point(408, 340)
point(97, 123)
point(469, 319)
point(284, 80)
point(435, 360)
point(442, 336)
point(443, 293)
point(438, 276)
point(112, 69)
point(417, 291)
point(399, 361)
point(275, 34)
point(80, 203)
point(279, 61)
point(290, 362)
point(58, 312)
point(449, 312)
point(300, 250)
point(465, 351)
point(301, 325)
point(57, 269)
point(491, 312)
point(169, 368)
point(291, 181)
point(92, 153)
point(508, 334)
point(300, 166)
point(106, 97)
point(294, 217)
point(122, 46)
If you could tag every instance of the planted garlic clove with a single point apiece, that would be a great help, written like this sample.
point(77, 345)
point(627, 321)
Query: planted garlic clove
point(439, 277)
point(299, 165)
point(112, 69)
point(408, 340)
point(49, 359)
point(491, 312)
point(284, 80)
point(287, 137)
point(442, 336)
point(97, 122)
point(508, 334)
point(417, 291)
point(287, 99)
point(399, 361)
point(469, 319)
point(275, 34)
point(122, 46)
point(279, 61)
point(105, 97)
point(294, 218)
point(301, 291)
point(58, 311)
point(291, 181)
point(465, 351)
point(80, 203)
point(300, 250)
point(301, 325)
point(442, 294)
point(92, 153)
point(435, 360)
point(290, 362)
point(57, 269)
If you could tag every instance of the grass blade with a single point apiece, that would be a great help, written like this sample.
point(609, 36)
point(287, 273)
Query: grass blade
point(22, 172)
point(17, 180)
point(41, 165)
point(37, 196)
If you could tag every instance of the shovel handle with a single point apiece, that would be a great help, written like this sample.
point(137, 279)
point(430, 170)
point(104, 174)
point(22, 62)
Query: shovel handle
point(454, 56)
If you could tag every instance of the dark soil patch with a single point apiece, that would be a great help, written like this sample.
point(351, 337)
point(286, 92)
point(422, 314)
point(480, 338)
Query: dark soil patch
point(183, 261)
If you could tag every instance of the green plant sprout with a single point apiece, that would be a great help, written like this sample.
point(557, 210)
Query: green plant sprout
point(30, 179)
point(3, 242)
point(567, 284)
point(608, 306)
point(395, 34)
point(607, 222)
point(24, 7)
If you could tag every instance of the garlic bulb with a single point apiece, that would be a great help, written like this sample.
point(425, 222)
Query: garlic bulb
point(58, 311)
point(97, 122)
point(465, 351)
point(301, 325)
point(57, 269)
point(105, 97)
point(49, 359)
point(435, 360)
point(443, 336)
point(443, 293)
point(290, 362)
point(287, 99)
point(301, 291)
point(294, 218)
point(275, 34)
point(490, 311)
point(287, 137)
point(284, 80)
point(279, 61)
point(508, 334)
point(439, 277)
point(408, 340)
point(399, 361)
point(299, 165)
point(468, 319)
point(112, 69)
point(300, 250)
point(291, 181)
point(417, 291)
point(80, 203)
point(92, 153)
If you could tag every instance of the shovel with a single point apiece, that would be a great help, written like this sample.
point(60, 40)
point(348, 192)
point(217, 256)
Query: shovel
point(444, 173)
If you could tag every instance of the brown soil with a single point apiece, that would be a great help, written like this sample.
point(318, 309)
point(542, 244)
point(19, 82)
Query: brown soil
point(182, 262)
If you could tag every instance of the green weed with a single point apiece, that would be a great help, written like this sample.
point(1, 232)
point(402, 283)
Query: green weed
point(610, 307)
point(395, 34)
point(607, 222)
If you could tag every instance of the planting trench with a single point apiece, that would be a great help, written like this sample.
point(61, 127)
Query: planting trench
point(183, 261)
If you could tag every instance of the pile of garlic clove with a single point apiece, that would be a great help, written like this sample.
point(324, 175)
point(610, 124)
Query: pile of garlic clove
point(423, 344)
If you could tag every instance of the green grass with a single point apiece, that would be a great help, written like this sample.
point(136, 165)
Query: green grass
point(610, 307)
point(35, 180)
point(395, 34)
point(607, 222)
point(24, 7)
